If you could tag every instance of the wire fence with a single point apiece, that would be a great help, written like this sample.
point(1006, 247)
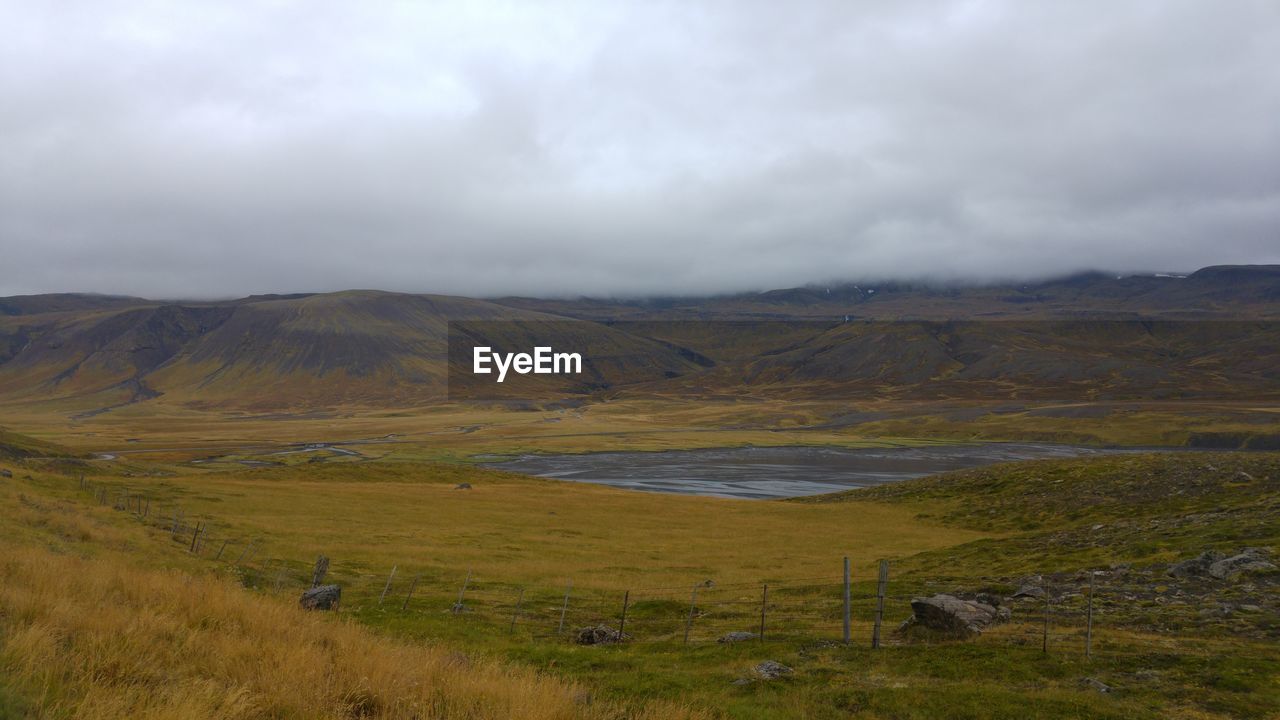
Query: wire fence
point(1089, 612)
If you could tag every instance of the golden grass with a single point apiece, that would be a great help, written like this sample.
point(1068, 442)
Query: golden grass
point(512, 529)
point(90, 634)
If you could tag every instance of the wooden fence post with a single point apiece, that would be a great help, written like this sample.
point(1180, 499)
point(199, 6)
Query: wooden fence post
point(881, 584)
point(221, 548)
point(412, 585)
point(387, 587)
point(195, 536)
point(565, 607)
point(764, 605)
point(516, 613)
point(847, 599)
point(1088, 627)
point(462, 593)
point(688, 623)
point(245, 552)
point(321, 569)
point(1044, 638)
point(626, 600)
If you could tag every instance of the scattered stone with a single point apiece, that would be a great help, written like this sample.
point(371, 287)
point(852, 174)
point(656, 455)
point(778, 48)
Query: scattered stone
point(463, 486)
point(1221, 610)
point(950, 614)
point(989, 599)
point(1096, 685)
point(324, 597)
point(6, 474)
point(599, 635)
point(771, 670)
point(458, 608)
point(735, 637)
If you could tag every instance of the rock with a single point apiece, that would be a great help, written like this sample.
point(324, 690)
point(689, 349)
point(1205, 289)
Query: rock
point(1096, 685)
point(989, 599)
point(1197, 566)
point(463, 486)
point(950, 614)
point(771, 670)
point(325, 597)
point(1219, 566)
point(6, 474)
point(599, 635)
point(734, 637)
point(1249, 560)
point(1031, 589)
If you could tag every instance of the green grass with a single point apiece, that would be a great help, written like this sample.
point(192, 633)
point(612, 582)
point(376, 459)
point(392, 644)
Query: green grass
point(1163, 660)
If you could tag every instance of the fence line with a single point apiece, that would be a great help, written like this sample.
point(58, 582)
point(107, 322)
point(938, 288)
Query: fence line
point(1066, 615)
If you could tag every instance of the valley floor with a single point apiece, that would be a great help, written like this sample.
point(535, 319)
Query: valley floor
point(126, 575)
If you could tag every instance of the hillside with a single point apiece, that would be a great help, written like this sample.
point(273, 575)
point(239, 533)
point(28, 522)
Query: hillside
point(1206, 337)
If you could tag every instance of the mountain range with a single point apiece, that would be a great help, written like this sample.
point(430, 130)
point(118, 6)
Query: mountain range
point(1210, 334)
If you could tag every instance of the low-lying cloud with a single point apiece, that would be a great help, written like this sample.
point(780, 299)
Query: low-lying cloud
point(198, 150)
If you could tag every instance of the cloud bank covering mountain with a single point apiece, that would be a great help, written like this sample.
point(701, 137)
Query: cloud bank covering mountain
point(491, 149)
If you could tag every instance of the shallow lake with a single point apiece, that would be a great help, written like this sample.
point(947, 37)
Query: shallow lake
point(774, 472)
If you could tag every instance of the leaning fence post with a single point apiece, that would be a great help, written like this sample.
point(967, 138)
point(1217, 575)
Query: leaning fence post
point(247, 549)
point(321, 569)
point(1044, 638)
point(565, 607)
point(221, 548)
point(881, 582)
point(1088, 627)
point(516, 613)
point(387, 587)
point(412, 585)
point(764, 605)
point(846, 601)
point(462, 593)
point(688, 623)
point(626, 600)
point(195, 536)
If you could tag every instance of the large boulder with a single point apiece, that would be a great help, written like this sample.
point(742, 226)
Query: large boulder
point(599, 635)
point(324, 597)
point(951, 615)
point(1197, 566)
point(1248, 560)
point(1220, 566)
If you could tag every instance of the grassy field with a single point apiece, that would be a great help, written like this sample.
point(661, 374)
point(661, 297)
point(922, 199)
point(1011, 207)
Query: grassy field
point(522, 541)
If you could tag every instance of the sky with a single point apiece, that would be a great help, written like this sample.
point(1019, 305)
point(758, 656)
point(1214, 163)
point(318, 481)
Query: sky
point(216, 149)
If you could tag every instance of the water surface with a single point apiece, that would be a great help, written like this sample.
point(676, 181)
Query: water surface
point(774, 472)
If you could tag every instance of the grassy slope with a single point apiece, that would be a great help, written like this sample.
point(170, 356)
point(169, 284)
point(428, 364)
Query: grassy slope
point(99, 621)
point(514, 532)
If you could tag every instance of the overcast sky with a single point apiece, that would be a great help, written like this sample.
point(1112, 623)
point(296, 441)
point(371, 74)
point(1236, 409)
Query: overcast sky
point(611, 148)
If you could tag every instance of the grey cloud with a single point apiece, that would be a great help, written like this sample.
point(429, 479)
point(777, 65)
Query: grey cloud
point(192, 150)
